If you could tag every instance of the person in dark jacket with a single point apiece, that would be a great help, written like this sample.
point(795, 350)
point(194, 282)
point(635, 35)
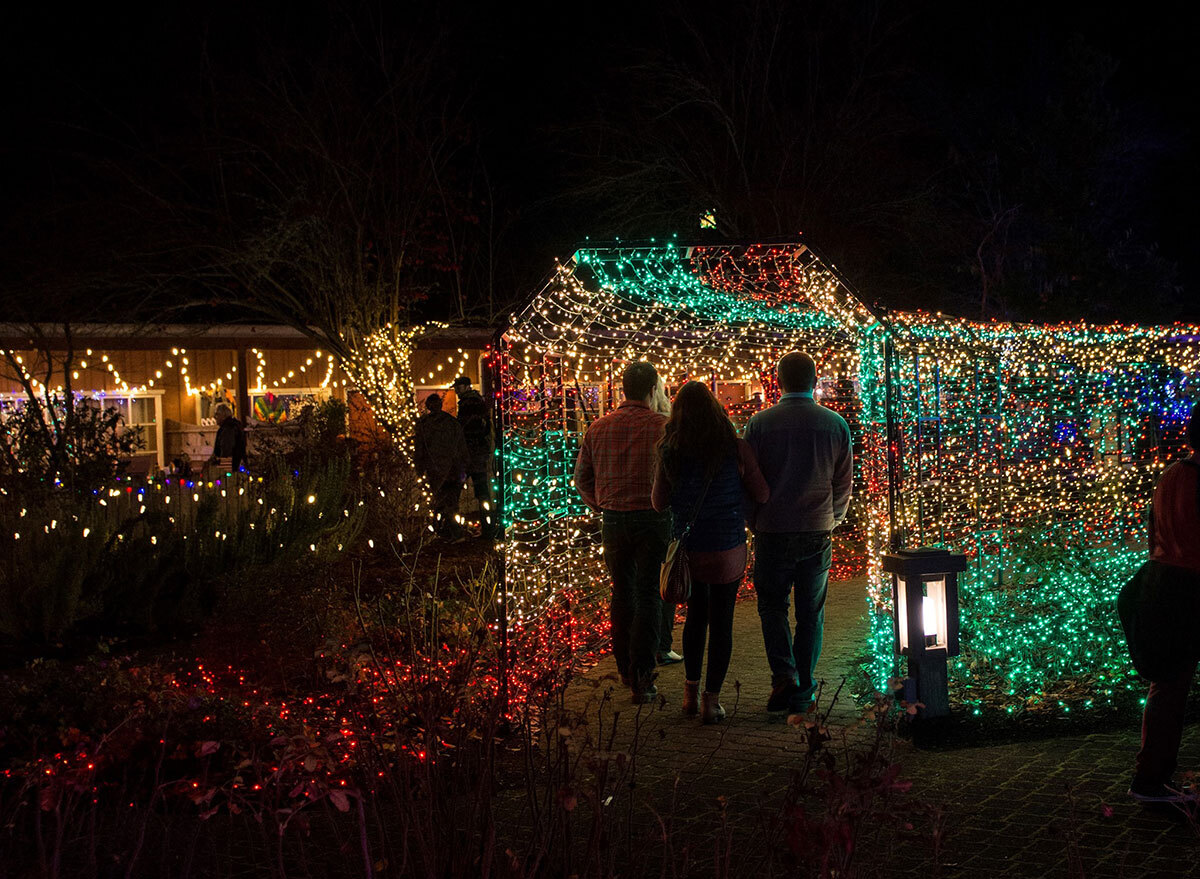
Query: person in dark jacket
point(440, 453)
point(475, 416)
point(230, 441)
point(1174, 541)
point(705, 471)
point(804, 452)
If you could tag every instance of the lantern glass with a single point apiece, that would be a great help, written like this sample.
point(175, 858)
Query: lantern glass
point(902, 612)
point(933, 614)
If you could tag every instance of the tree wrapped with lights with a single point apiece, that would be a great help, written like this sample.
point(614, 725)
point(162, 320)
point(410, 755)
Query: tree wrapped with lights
point(1003, 441)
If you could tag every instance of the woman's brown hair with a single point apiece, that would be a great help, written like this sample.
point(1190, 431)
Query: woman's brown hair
point(698, 429)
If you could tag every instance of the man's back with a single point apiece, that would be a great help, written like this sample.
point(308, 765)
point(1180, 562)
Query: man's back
point(615, 470)
point(803, 450)
point(475, 419)
point(441, 447)
point(230, 441)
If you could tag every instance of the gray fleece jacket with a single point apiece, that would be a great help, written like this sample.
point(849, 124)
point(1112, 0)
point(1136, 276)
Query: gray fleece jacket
point(803, 450)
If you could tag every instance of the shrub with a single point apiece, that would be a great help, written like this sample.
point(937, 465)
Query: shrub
point(409, 757)
point(47, 440)
point(147, 557)
point(1043, 634)
point(315, 436)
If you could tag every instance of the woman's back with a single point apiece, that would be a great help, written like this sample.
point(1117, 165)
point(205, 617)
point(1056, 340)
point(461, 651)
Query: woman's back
point(720, 517)
point(705, 470)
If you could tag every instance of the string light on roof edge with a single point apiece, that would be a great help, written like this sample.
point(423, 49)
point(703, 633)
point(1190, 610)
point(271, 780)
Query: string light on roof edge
point(178, 360)
point(1002, 432)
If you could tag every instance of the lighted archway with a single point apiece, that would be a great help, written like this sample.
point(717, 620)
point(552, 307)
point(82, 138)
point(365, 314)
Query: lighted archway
point(996, 439)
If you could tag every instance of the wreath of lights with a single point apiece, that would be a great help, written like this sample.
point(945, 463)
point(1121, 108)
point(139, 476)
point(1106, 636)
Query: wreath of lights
point(1032, 449)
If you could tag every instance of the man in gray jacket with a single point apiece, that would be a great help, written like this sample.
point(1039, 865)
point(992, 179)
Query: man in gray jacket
point(803, 450)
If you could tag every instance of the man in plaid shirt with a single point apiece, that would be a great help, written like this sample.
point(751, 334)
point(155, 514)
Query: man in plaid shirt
point(614, 475)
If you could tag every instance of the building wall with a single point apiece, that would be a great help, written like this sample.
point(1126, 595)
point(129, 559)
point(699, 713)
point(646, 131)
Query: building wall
point(108, 373)
point(167, 372)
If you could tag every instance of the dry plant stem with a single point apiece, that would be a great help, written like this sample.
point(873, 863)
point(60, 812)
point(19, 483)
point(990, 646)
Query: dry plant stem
point(158, 786)
point(725, 728)
point(667, 829)
point(724, 867)
point(937, 820)
point(364, 842)
point(384, 674)
point(1075, 866)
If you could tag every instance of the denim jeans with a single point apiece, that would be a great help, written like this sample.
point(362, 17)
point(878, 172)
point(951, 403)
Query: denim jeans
point(786, 564)
point(709, 613)
point(635, 544)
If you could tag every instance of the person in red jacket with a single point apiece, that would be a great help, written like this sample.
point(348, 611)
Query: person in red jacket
point(1175, 541)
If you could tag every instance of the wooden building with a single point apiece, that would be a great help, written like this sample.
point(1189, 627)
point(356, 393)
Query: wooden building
point(169, 378)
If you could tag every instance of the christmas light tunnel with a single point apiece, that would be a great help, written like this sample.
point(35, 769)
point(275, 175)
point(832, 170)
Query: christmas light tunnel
point(1032, 450)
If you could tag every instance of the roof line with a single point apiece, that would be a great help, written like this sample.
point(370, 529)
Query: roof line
point(798, 240)
point(622, 244)
point(203, 335)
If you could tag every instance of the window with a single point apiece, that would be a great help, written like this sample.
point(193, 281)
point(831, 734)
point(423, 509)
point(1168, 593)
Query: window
point(142, 410)
point(281, 405)
point(139, 411)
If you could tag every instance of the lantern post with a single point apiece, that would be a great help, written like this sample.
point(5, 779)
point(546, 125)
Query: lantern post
point(925, 613)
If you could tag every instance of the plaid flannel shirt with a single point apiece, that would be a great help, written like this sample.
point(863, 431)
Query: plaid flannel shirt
point(615, 469)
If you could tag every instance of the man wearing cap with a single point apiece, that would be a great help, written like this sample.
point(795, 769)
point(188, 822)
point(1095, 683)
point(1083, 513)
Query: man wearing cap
point(476, 420)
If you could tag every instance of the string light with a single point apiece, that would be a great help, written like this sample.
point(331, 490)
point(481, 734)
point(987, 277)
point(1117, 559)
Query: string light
point(179, 361)
point(381, 369)
point(1007, 440)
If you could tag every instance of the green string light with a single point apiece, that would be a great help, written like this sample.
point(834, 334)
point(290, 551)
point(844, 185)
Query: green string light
point(1032, 449)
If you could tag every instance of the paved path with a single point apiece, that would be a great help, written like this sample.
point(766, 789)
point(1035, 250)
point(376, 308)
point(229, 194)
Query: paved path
point(1007, 808)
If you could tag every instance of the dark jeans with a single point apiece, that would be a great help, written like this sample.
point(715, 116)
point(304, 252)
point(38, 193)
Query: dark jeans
point(1162, 729)
point(635, 544)
point(445, 504)
point(785, 564)
point(482, 486)
point(666, 628)
point(709, 612)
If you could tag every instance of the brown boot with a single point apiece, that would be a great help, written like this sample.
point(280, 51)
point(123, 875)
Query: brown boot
point(710, 708)
point(691, 698)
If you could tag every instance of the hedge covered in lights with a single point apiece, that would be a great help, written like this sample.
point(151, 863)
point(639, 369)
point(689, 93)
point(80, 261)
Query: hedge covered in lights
point(1032, 449)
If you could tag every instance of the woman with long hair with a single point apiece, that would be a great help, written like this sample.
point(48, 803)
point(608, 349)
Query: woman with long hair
point(705, 470)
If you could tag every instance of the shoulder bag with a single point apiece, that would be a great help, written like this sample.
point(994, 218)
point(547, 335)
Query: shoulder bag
point(675, 575)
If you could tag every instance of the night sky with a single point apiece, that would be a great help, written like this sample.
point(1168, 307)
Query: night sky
point(962, 112)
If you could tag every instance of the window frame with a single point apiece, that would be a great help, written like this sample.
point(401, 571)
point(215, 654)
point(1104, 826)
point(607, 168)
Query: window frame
point(104, 398)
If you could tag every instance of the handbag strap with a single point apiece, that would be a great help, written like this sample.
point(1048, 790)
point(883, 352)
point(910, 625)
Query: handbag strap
point(696, 508)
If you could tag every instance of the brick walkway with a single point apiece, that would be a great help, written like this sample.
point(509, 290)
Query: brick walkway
point(1007, 808)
